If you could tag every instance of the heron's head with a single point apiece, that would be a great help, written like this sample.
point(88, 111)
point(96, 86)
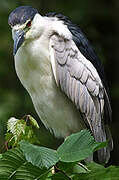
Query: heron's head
point(23, 21)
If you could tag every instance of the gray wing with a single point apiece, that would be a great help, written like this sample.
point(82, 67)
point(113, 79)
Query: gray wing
point(79, 80)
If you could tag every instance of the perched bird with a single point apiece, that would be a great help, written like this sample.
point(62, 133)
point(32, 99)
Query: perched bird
point(62, 73)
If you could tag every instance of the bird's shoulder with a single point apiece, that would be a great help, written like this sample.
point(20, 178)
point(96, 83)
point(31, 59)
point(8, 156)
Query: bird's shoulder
point(82, 43)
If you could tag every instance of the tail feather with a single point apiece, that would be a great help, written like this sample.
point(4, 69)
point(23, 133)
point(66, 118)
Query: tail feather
point(103, 135)
point(101, 131)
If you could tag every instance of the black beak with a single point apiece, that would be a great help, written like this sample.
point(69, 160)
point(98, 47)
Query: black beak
point(18, 37)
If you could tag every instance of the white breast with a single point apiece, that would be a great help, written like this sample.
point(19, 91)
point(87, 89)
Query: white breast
point(34, 70)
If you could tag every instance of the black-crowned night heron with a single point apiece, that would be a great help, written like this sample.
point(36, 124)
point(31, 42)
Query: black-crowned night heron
point(64, 77)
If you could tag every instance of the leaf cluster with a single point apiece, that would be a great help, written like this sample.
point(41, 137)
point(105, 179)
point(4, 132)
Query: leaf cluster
point(26, 161)
point(18, 129)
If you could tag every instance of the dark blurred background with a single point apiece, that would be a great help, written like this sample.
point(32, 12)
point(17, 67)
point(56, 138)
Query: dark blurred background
point(99, 20)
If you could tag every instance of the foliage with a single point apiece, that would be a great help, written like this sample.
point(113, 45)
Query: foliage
point(78, 146)
point(28, 161)
point(99, 172)
point(18, 129)
point(39, 156)
point(13, 165)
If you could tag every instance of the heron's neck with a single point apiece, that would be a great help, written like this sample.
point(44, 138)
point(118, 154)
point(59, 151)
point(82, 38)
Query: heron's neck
point(32, 63)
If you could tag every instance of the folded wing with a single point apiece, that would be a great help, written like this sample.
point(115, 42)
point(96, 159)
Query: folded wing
point(79, 80)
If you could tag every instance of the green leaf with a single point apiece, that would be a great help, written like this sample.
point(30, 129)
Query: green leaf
point(60, 176)
point(66, 167)
point(33, 122)
point(13, 165)
point(19, 129)
point(10, 161)
point(39, 156)
point(78, 147)
point(100, 145)
point(99, 172)
point(70, 168)
point(80, 168)
point(31, 172)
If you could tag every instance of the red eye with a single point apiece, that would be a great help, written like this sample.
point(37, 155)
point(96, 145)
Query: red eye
point(29, 24)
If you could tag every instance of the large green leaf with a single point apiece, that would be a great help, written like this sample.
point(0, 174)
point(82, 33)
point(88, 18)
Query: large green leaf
point(29, 172)
point(77, 147)
point(99, 172)
point(10, 162)
point(13, 165)
point(39, 156)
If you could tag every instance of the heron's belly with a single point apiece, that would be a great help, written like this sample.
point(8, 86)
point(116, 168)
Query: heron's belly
point(54, 108)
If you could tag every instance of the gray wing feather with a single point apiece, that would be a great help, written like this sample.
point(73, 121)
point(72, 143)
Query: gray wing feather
point(78, 78)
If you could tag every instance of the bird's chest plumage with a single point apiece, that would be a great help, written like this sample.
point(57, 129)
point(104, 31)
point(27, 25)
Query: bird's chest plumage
point(34, 70)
